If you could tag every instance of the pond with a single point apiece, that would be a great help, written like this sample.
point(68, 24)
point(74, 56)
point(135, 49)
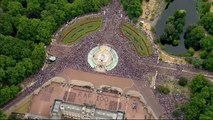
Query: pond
point(192, 17)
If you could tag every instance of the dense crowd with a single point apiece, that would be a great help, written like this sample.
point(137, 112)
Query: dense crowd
point(169, 102)
point(130, 64)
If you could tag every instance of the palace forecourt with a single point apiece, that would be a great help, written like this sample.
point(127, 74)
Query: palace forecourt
point(61, 98)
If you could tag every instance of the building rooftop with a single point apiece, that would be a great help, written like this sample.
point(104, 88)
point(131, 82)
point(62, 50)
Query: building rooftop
point(69, 110)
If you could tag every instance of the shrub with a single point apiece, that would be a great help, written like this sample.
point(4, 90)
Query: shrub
point(203, 55)
point(189, 59)
point(163, 89)
point(175, 42)
point(157, 40)
point(203, 7)
point(176, 113)
point(191, 51)
point(132, 8)
point(182, 81)
point(12, 117)
point(197, 63)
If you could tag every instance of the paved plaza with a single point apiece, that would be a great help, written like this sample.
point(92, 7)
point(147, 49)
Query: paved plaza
point(43, 102)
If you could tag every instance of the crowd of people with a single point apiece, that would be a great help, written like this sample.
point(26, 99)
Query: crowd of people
point(130, 65)
point(169, 102)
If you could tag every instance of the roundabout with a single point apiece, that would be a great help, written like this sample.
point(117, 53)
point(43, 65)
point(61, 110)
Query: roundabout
point(102, 58)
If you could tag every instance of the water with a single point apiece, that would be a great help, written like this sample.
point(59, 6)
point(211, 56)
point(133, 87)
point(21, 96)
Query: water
point(192, 17)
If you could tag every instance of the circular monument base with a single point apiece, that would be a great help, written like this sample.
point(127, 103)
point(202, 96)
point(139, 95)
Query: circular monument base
point(103, 58)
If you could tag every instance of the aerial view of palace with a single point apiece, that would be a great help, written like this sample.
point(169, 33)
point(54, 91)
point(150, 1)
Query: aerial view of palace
point(106, 59)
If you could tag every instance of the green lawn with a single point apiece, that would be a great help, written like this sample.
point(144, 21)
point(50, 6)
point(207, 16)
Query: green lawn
point(177, 89)
point(80, 29)
point(137, 38)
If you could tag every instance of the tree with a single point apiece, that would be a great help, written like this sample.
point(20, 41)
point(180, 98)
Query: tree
point(28, 65)
point(180, 28)
point(12, 116)
point(6, 26)
point(15, 48)
point(53, 10)
point(15, 8)
point(207, 22)
point(38, 56)
point(203, 54)
point(34, 29)
point(198, 83)
point(174, 26)
point(182, 81)
point(207, 43)
point(2, 76)
point(33, 6)
point(208, 64)
point(33, 9)
point(133, 8)
point(194, 107)
point(6, 61)
point(191, 51)
point(71, 1)
point(179, 14)
point(176, 113)
point(197, 63)
point(91, 5)
point(14, 74)
point(7, 93)
point(3, 116)
point(208, 113)
point(203, 7)
point(170, 34)
point(163, 89)
point(201, 101)
point(175, 42)
point(193, 36)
